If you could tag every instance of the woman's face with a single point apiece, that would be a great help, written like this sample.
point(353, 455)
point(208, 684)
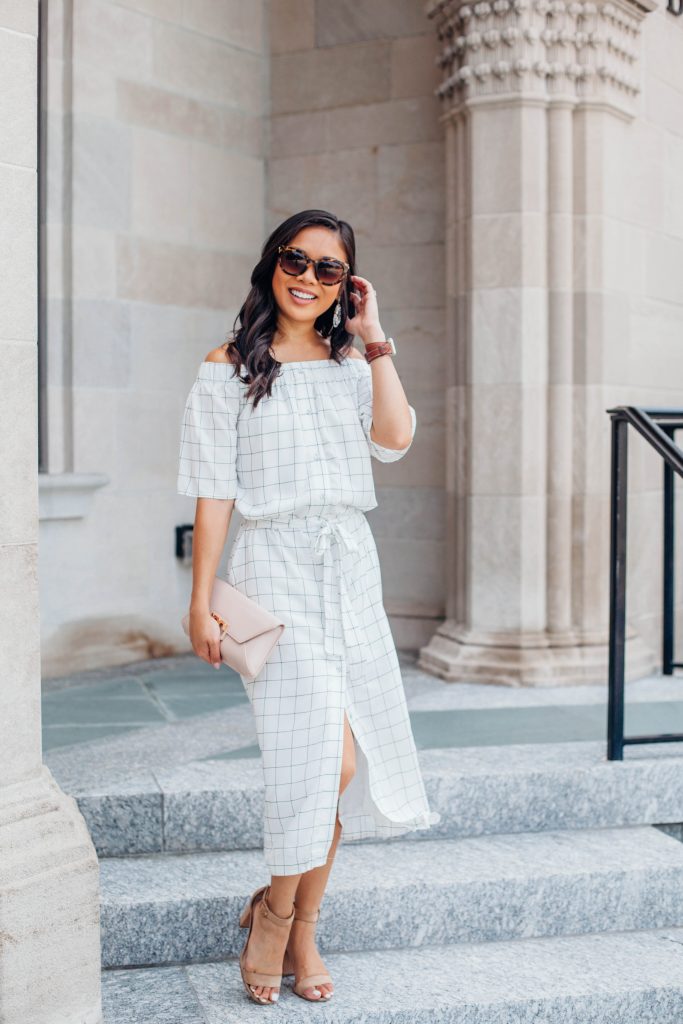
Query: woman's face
point(317, 242)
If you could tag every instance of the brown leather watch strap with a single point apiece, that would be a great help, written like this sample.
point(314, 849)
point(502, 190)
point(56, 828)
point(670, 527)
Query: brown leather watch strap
point(378, 348)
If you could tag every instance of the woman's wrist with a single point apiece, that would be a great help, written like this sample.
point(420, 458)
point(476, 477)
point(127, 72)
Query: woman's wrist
point(372, 334)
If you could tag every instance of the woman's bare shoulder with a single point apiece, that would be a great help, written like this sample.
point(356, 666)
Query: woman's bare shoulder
point(353, 353)
point(220, 354)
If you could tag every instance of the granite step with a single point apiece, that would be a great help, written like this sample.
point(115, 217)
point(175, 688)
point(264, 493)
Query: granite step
point(182, 908)
point(610, 978)
point(218, 804)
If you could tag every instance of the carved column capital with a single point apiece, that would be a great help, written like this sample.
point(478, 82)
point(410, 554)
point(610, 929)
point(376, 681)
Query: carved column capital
point(587, 50)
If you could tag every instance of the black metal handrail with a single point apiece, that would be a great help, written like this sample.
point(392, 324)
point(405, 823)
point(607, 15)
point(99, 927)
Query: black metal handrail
point(657, 426)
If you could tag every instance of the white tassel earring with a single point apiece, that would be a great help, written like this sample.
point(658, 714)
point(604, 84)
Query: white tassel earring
point(336, 319)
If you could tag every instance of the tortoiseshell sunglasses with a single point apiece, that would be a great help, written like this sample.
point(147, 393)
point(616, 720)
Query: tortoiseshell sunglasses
point(328, 270)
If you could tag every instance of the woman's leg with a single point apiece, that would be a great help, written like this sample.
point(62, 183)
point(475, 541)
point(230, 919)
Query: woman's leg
point(308, 888)
point(311, 888)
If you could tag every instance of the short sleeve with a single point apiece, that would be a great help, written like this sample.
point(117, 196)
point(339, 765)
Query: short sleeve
point(365, 411)
point(207, 464)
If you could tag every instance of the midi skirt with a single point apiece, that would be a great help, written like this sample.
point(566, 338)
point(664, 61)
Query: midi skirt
point(336, 656)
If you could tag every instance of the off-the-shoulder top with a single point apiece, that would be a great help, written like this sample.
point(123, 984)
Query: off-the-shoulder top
point(303, 450)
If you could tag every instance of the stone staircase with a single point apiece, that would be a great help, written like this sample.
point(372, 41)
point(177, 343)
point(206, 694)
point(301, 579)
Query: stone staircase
point(544, 894)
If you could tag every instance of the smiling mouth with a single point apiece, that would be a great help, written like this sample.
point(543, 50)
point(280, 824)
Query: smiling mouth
point(309, 297)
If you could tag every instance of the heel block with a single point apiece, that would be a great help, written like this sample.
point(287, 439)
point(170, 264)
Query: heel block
point(247, 909)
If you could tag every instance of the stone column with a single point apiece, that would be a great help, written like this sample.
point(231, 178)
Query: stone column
point(535, 96)
point(49, 892)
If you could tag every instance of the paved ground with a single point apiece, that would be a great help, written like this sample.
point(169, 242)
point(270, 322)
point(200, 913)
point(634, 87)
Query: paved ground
point(115, 702)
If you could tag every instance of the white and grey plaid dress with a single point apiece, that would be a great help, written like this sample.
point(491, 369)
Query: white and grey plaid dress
point(299, 468)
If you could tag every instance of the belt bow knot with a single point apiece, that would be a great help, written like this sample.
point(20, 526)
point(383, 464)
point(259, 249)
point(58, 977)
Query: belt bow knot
point(330, 530)
point(336, 616)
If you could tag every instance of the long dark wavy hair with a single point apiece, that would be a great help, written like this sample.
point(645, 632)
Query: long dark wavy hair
point(255, 324)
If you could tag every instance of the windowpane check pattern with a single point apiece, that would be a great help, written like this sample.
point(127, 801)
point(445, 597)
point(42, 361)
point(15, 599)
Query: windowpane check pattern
point(299, 468)
point(306, 446)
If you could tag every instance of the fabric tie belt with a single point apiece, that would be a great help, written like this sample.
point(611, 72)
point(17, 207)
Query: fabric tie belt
point(323, 539)
point(332, 539)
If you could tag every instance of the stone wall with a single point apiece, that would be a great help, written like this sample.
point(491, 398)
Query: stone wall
point(354, 129)
point(176, 136)
point(155, 165)
point(642, 266)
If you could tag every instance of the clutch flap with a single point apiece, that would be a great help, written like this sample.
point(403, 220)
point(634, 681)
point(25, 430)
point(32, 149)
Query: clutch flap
point(244, 618)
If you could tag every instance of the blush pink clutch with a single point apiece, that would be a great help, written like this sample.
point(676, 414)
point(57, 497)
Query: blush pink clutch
point(247, 632)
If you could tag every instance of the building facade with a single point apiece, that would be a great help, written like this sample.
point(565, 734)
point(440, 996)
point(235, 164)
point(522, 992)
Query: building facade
point(511, 171)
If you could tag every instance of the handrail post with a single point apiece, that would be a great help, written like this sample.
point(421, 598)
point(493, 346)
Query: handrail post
point(657, 426)
point(617, 597)
point(668, 570)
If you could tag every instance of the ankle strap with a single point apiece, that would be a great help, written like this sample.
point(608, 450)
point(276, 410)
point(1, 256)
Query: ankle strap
point(267, 912)
point(305, 915)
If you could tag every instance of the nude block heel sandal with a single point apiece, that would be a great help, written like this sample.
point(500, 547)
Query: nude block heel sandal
point(257, 904)
point(311, 980)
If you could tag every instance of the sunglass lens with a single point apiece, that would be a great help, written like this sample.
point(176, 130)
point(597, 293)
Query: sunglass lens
point(292, 263)
point(330, 272)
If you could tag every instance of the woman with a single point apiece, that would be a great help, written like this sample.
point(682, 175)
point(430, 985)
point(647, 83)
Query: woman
point(282, 422)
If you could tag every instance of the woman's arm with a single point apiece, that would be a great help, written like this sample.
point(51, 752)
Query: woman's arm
point(391, 419)
point(211, 526)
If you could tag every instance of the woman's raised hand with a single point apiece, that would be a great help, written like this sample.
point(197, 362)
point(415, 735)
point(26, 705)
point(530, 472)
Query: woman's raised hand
point(365, 319)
